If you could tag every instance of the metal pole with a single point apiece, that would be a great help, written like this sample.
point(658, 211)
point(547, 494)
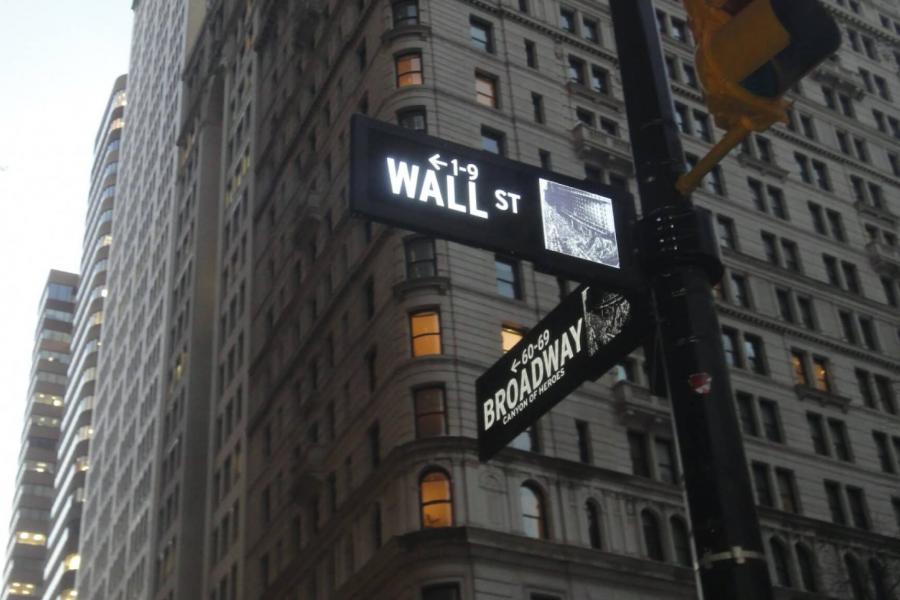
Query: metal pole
point(722, 509)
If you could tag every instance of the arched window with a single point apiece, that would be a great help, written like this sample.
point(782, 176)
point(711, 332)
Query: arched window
point(534, 515)
point(593, 522)
point(855, 578)
point(435, 499)
point(807, 563)
point(876, 572)
point(652, 535)
point(681, 542)
point(781, 563)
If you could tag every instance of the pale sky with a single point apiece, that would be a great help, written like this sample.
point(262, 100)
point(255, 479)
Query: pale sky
point(58, 61)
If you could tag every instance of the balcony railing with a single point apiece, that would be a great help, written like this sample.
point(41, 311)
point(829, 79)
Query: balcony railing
point(603, 147)
point(884, 258)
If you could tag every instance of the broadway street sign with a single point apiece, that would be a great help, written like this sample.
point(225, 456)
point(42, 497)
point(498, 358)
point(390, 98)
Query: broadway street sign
point(565, 226)
point(582, 338)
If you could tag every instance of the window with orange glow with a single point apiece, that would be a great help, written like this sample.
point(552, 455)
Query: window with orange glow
point(409, 70)
point(436, 501)
point(425, 328)
point(509, 337)
point(798, 366)
point(820, 373)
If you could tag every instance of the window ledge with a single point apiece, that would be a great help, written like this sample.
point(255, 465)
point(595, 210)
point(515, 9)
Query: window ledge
point(885, 259)
point(804, 392)
point(873, 212)
point(639, 409)
point(750, 161)
point(423, 32)
point(609, 150)
point(579, 89)
point(408, 286)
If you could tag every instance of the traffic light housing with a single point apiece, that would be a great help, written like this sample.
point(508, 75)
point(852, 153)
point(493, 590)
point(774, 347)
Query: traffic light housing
point(749, 53)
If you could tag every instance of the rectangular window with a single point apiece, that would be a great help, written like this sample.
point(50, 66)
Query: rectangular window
point(730, 345)
point(567, 19)
point(803, 167)
point(509, 337)
point(425, 332)
point(371, 368)
point(807, 312)
point(817, 433)
point(885, 390)
point(754, 354)
point(576, 71)
point(820, 170)
point(818, 220)
point(770, 248)
point(431, 411)
point(413, 118)
point(798, 367)
point(851, 278)
point(791, 255)
point(590, 30)
point(421, 261)
point(835, 502)
point(725, 229)
point(840, 442)
point(531, 54)
point(486, 90)
point(864, 383)
point(493, 141)
point(867, 329)
point(768, 416)
point(409, 69)
point(764, 496)
point(666, 467)
point(406, 12)
point(847, 329)
point(640, 459)
point(537, 107)
point(745, 413)
point(599, 80)
point(756, 193)
point(785, 306)
point(856, 502)
point(740, 293)
point(776, 200)
point(831, 271)
point(482, 34)
point(821, 377)
point(884, 451)
point(787, 490)
point(583, 432)
point(507, 271)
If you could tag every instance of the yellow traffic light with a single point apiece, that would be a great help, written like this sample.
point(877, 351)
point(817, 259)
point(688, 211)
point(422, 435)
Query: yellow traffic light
point(749, 52)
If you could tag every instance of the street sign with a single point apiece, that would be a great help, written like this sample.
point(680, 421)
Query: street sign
point(582, 338)
point(569, 227)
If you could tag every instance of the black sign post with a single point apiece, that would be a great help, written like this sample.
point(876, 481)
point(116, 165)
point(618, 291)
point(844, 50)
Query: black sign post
point(570, 227)
point(582, 338)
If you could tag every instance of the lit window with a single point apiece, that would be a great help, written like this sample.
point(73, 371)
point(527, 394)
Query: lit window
point(31, 539)
point(509, 337)
point(798, 367)
point(425, 328)
point(430, 411)
point(409, 69)
point(435, 498)
point(567, 19)
point(486, 90)
point(820, 374)
point(534, 519)
point(72, 562)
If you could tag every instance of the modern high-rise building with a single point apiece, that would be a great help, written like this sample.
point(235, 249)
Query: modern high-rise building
point(76, 428)
point(28, 551)
point(285, 404)
point(144, 513)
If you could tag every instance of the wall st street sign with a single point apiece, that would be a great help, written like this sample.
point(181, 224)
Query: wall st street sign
point(569, 227)
point(582, 338)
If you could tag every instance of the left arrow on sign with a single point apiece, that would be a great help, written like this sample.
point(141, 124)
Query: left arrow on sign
point(436, 162)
